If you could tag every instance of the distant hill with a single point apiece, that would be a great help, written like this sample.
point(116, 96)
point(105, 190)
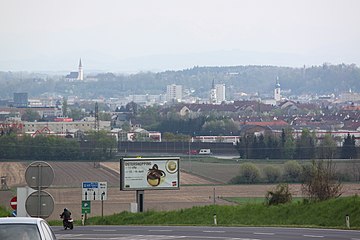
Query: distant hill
point(324, 79)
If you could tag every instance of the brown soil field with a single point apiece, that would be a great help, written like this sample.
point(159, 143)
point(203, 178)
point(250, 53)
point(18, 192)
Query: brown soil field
point(14, 172)
point(195, 191)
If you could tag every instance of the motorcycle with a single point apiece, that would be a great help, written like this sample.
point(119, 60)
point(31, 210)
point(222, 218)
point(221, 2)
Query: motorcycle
point(68, 223)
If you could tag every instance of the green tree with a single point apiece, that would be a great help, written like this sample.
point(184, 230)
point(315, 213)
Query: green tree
point(76, 113)
point(305, 145)
point(64, 107)
point(102, 145)
point(288, 144)
point(273, 147)
point(126, 126)
point(104, 116)
point(327, 147)
point(168, 137)
point(348, 149)
point(219, 127)
point(30, 115)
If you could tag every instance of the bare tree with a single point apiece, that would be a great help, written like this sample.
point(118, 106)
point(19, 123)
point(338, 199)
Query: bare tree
point(320, 182)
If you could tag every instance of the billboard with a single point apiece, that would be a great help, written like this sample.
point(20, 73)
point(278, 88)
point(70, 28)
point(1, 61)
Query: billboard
point(149, 173)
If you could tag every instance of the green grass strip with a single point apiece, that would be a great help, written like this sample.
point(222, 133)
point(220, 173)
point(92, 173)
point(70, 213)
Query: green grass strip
point(329, 213)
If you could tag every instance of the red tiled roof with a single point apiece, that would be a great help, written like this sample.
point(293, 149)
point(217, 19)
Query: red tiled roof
point(272, 123)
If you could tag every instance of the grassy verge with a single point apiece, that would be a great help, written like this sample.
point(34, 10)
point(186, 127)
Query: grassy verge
point(246, 200)
point(329, 213)
point(4, 212)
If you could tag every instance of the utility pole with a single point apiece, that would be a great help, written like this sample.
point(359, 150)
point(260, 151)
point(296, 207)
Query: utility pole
point(97, 121)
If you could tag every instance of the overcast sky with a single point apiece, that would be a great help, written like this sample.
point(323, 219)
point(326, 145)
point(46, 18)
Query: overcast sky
point(130, 35)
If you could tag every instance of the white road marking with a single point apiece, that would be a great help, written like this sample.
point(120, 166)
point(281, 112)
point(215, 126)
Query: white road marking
point(313, 236)
point(263, 233)
point(213, 231)
point(69, 235)
point(160, 230)
point(104, 230)
point(140, 237)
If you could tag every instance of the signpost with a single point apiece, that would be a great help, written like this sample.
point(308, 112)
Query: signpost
point(85, 207)
point(89, 190)
point(103, 191)
point(93, 191)
point(39, 175)
point(40, 204)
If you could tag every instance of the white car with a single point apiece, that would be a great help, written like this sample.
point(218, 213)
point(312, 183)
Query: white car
point(205, 151)
point(25, 228)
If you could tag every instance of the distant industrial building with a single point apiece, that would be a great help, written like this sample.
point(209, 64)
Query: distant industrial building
point(21, 100)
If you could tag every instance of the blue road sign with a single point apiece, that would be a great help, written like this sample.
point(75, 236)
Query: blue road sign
point(90, 184)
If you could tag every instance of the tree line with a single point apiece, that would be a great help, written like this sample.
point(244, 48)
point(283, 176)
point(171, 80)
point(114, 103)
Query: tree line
point(95, 146)
point(324, 79)
point(287, 147)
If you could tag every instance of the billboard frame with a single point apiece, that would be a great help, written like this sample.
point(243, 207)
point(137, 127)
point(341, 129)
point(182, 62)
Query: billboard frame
point(152, 159)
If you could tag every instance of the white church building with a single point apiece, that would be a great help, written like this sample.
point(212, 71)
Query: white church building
point(74, 76)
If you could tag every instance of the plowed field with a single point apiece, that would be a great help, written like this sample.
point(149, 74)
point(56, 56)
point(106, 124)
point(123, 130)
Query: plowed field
point(66, 189)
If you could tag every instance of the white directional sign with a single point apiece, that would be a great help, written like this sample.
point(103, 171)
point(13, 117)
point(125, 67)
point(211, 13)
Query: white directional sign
point(92, 191)
point(102, 190)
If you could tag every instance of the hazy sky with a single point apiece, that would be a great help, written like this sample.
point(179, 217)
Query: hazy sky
point(129, 35)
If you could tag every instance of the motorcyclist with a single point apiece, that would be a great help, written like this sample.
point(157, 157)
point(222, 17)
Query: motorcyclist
point(66, 215)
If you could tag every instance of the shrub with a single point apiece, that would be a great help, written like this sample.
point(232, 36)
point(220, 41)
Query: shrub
point(321, 183)
point(280, 195)
point(272, 174)
point(249, 173)
point(292, 171)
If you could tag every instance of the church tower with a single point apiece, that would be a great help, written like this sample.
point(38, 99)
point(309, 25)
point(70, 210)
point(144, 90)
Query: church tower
point(213, 93)
point(277, 93)
point(81, 72)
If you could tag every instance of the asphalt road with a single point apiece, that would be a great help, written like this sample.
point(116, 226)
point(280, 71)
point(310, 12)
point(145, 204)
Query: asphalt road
point(198, 233)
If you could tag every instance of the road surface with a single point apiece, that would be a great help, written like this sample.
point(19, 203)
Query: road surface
point(199, 233)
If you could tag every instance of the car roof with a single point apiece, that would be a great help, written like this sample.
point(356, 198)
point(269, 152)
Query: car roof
point(20, 220)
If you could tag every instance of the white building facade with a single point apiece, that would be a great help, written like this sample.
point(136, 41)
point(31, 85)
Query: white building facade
point(220, 93)
point(174, 93)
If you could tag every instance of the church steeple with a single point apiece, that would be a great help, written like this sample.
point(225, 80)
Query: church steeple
point(213, 93)
point(277, 92)
point(81, 72)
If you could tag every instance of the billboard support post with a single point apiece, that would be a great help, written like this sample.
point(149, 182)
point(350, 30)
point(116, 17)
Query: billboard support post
point(140, 200)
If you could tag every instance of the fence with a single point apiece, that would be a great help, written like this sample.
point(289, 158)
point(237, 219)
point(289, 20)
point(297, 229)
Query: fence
point(176, 147)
